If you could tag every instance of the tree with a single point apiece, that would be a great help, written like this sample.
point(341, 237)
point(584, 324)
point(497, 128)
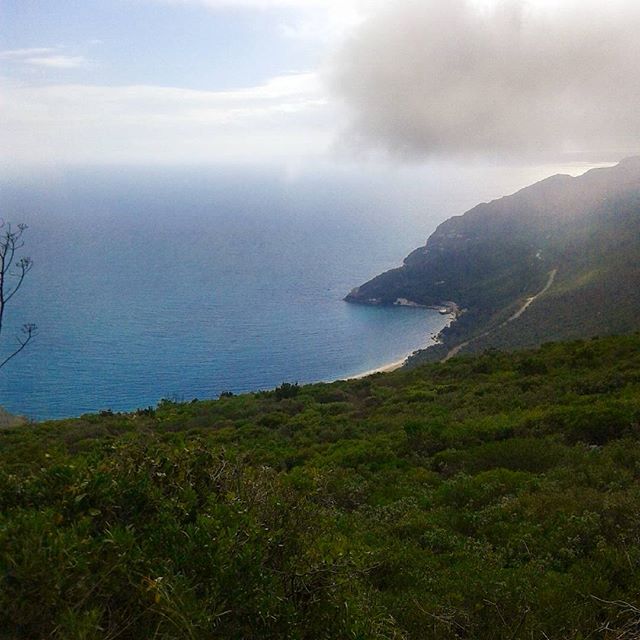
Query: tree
point(12, 274)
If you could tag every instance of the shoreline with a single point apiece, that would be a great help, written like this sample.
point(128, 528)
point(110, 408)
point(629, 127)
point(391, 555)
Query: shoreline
point(385, 368)
point(398, 364)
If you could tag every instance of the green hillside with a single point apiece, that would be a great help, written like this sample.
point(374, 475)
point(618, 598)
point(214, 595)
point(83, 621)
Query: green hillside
point(493, 258)
point(494, 497)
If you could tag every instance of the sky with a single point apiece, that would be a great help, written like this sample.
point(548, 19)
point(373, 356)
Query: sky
point(294, 81)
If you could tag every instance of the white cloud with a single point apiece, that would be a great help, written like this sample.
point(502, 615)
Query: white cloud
point(58, 61)
point(452, 77)
point(47, 57)
point(26, 53)
point(269, 4)
point(85, 123)
point(316, 20)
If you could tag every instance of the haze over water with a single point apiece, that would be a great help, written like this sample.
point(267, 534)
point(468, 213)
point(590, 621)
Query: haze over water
point(184, 283)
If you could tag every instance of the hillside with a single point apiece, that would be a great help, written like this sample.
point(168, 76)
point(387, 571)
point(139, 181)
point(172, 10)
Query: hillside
point(494, 497)
point(497, 255)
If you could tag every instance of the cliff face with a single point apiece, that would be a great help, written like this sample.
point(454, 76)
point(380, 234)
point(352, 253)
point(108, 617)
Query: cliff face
point(496, 255)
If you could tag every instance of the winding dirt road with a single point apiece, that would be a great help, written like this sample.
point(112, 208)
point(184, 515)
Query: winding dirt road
point(527, 303)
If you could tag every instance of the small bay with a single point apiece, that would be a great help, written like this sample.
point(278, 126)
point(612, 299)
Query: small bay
point(178, 284)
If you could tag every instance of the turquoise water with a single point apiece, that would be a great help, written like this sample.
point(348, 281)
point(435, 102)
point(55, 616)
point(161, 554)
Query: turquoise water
point(178, 284)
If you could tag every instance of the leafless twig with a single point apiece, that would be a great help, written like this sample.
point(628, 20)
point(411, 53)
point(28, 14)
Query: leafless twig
point(12, 275)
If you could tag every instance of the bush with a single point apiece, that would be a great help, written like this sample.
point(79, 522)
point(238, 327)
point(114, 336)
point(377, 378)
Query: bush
point(287, 390)
point(178, 543)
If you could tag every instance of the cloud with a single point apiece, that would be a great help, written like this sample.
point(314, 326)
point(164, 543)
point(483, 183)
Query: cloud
point(58, 61)
point(48, 57)
point(25, 53)
point(268, 4)
point(143, 123)
point(434, 78)
point(317, 21)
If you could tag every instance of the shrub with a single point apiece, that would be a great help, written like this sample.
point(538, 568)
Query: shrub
point(287, 390)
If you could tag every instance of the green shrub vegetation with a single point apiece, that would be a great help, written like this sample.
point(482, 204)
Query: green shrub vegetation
point(489, 497)
point(585, 230)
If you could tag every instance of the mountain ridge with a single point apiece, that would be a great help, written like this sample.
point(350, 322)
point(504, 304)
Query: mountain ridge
point(498, 254)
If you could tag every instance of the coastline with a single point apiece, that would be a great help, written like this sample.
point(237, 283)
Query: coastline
point(398, 364)
point(385, 368)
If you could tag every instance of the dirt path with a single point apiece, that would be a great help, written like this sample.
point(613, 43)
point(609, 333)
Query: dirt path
point(527, 303)
point(525, 306)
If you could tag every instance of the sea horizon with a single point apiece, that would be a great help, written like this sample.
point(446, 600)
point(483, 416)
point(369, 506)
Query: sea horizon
point(166, 282)
point(181, 284)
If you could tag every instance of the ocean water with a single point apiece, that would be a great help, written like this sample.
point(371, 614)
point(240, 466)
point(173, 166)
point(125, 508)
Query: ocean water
point(186, 283)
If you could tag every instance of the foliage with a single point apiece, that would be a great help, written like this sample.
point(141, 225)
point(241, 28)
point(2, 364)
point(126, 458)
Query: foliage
point(287, 390)
point(493, 258)
point(493, 497)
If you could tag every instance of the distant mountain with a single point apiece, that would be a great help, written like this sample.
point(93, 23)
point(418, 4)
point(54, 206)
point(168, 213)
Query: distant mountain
point(557, 260)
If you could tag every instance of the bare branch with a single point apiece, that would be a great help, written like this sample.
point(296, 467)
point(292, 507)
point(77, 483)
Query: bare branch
point(29, 332)
point(25, 265)
point(10, 242)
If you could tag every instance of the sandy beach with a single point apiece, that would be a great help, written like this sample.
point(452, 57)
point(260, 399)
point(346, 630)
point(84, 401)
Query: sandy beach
point(397, 364)
point(386, 368)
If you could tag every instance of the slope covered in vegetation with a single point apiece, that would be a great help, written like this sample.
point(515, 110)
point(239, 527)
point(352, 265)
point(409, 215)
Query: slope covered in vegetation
point(586, 230)
point(489, 497)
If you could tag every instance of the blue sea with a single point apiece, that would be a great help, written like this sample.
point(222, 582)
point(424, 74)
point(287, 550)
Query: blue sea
point(178, 284)
point(183, 283)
